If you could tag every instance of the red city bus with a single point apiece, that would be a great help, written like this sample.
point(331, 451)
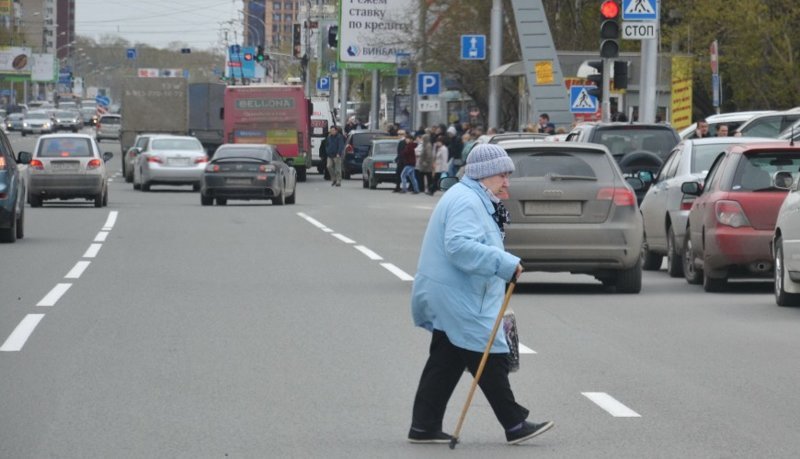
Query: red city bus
point(274, 114)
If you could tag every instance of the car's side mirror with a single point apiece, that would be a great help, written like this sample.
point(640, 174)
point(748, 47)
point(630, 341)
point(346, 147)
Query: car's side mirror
point(782, 180)
point(691, 188)
point(445, 183)
point(636, 183)
point(24, 157)
point(107, 156)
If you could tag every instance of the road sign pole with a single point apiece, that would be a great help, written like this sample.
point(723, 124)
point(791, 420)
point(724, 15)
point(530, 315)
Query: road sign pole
point(605, 105)
point(494, 62)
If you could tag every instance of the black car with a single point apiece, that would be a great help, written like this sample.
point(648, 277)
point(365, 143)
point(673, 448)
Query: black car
point(245, 171)
point(636, 147)
point(12, 192)
point(356, 148)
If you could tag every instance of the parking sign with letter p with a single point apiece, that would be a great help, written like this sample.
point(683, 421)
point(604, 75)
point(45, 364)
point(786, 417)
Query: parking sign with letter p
point(428, 83)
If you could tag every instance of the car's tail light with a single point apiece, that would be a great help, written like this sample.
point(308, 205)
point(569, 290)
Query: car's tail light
point(730, 213)
point(2, 163)
point(622, 197)
point(348, 150)
point(94, 164)
point(202, 159)
point(36, 164)
point(154, 159)
point(266, 168)
point(212, 168)
point(381, 165)
point(686, 202)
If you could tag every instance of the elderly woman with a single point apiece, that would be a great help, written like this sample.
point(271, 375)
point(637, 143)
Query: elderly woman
point(457, 295)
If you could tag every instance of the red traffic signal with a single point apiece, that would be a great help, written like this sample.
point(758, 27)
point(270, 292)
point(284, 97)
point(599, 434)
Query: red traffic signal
point(248, 56)
point(609, 9)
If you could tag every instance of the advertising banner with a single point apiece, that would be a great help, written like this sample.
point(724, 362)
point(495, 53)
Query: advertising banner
point(43, 68)
point(15, 60)
point(375, 32)
point(681, 92)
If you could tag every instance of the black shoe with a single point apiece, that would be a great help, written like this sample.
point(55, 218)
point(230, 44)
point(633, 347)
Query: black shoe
point(527, 431)
point(415, 436)
point(396, 190)
point(333, 183)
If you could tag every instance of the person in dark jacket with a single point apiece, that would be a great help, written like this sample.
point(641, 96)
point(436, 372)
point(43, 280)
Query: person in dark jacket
point(409, 168)
point(334, 151)
point(401, 144)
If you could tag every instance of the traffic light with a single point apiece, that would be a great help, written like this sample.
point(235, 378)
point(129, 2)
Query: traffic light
point(597, 79)
point(333, 36)
point(260, 54)
point(621, 74)
point(186, 50)
point(297, 46)
point(248, 56)
point(609, 29)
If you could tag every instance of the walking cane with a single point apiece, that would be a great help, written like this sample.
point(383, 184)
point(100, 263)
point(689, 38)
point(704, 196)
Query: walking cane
point(484, 358)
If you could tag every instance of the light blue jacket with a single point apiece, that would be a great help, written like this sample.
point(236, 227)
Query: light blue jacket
point(460, 282)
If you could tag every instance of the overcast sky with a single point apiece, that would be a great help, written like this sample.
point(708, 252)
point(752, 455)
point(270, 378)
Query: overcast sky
point(196, 23)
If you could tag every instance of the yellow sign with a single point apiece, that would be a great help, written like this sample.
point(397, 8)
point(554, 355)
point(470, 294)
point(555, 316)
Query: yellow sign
point(544, 72)
point(681, 92)
point(5, 7)
point(282, 136)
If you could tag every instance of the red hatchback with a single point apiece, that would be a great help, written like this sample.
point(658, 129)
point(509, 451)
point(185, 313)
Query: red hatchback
point(731, 222)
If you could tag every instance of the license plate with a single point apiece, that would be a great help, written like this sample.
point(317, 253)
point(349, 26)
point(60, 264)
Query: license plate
point(178, 161)
point(558, 208)
point(65, 166)
point(238, 181)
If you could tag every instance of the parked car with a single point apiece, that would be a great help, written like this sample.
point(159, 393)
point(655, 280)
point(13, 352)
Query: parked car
point(733, 120)
point(129, 157)
point(356, 147)
point(37, 122)
point(637, 147)
point(769, 124)
point(12, 192)
point(786, 243)
point(108, 127)
point(732, 220)
point(244, 171)
point(68, 166)
point(379, 166)
point(68, 120)
point(170, 160)
point(14, 121)
point(573, 211)
point(665, 208)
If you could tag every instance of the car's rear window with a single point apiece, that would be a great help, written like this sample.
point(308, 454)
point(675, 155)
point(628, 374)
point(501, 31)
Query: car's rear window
point(703, 156)
point(364, 139)
point(579, 164)
point(176, 144)
point(65, 147)
point(109, 120)
point(384, 148)
point(621, 141)
point(754, 171)
point(264, 154)
point(37, 116)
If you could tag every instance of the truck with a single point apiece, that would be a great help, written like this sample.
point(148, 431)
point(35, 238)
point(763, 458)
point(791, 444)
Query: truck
point(205, 114)
point(278, 115)
point(153, 105)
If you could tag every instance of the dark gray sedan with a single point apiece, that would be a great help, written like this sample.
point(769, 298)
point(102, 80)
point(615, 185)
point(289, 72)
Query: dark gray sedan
point(241, 171)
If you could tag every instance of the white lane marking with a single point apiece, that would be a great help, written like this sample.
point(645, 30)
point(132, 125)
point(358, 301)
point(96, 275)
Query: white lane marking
point(369, 253)
point(101, 236)
point(21, 334)
point(77, 270)
point(523, 349)
point(343, 238)
point(397, 272)
point(311, 220)
point(327, 230)
point(91, 252)
point(610, 404)
point(112, 219)
point(55, 294)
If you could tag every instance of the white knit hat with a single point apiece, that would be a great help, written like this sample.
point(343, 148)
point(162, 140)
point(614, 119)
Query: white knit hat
point(486, 160)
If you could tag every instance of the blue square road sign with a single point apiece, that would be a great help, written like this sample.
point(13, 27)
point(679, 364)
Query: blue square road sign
point(473, 47)
point(642, 10)
point(429, 83)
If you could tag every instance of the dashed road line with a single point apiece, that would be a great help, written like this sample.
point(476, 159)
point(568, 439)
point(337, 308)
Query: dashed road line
point(77, 270)
point(611, 405)
point(92, 251)
point(101, 236)
point(369, 253)
point(20, 335)
point(111, 220)
point(404, 276)
point(55, 294)
point(343, 238)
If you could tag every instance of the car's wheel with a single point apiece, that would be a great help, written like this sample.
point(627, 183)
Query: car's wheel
point(373, 182)
point(24, 134)
point(128, 176)
point(301, 174)
point(9, 234)
point(98, 199)
point(105, 198)
point(35, 201)
point(206, 200)
point(782, 297)
point(714, 284)
point(364, 182)
point(145, 186)
point(630, 280)
point(21, 223)
point(292, 199)
point(222, 201)
point(691, 273)
point(280, 199)
point(345, 174)
point(674, 262)
point(196, 187)
point(651, 261)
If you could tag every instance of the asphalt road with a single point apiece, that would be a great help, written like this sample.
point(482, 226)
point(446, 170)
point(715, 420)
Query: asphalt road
point(159, 328)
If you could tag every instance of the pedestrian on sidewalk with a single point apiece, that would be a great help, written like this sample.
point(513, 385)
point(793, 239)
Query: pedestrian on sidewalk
point(334, 150)
point(457, 294)
point(409, 168)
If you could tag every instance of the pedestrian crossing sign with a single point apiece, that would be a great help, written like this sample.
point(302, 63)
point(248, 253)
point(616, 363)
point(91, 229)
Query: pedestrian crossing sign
point(642, 10)
point(580, 101)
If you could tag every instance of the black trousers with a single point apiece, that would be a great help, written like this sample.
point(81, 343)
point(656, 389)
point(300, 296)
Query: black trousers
point(442, 371)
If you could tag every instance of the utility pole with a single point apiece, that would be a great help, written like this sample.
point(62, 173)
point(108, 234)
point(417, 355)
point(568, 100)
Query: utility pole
point(495, 57)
